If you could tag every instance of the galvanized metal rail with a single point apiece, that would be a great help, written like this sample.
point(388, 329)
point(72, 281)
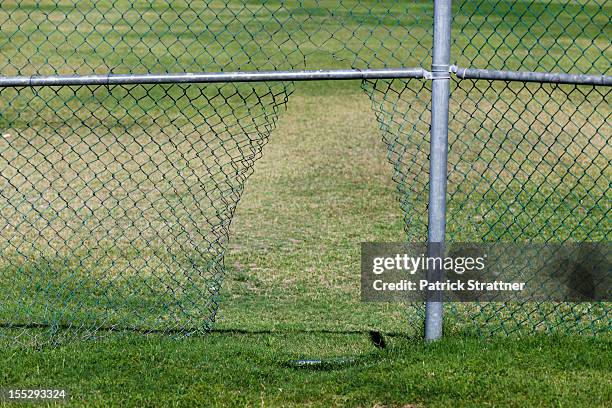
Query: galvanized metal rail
point(318, 75)
point(211, 77)
point(529, 76)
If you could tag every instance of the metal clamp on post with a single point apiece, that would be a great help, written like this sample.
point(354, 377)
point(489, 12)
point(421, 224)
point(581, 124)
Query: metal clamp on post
point(440, 71)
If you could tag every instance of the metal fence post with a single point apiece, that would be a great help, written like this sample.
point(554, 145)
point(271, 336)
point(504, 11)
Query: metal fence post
point(440, 94)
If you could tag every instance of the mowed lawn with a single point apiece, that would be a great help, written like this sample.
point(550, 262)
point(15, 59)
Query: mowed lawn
point(292, 292)
point(323, 186)
point(240, 369)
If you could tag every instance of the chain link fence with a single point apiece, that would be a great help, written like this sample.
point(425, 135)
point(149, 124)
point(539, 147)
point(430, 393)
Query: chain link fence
point(116, 200)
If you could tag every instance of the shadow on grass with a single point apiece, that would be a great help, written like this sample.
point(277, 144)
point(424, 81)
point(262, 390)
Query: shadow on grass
point(194, 330)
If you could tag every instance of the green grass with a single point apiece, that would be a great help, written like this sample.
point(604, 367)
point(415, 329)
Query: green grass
point(255, 369)
point(323, 185)
point(292, 284)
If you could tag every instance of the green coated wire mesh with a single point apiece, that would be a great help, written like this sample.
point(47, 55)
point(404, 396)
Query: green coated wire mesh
point(527, 162)
point(536, 165)
point(124, 226)
point(116, 201)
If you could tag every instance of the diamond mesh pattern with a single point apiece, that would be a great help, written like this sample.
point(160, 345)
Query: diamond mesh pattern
point(530, 162)
point(116, 202)
point(117, 36)
point(124, 227)
point(544, 35)
point(527, 163)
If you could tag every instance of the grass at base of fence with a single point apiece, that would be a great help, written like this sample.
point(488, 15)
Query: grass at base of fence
point(322, 187)
point(255, 369)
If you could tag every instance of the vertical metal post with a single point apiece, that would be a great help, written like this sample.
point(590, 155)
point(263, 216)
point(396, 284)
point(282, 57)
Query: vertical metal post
point(440, 94)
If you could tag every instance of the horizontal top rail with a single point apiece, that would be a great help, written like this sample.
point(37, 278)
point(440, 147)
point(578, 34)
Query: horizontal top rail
point(529, 76)
point(211, 77)
point(318, 75)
